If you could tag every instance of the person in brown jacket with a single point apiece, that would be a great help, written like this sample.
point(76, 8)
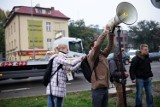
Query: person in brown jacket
point(100, 75)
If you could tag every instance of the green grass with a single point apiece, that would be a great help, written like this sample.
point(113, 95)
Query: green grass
point(157, 101)
point(40, 101)
point(74, 99)
point(79, 99)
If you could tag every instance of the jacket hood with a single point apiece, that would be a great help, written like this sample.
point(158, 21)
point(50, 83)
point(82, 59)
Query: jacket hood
point(138, 53)
point(116, 53)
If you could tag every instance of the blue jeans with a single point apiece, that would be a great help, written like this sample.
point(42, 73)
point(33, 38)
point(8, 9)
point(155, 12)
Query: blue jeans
point(100, 97)
point(147, 84)
point(58, 101)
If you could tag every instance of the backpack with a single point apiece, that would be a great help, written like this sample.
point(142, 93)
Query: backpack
point(112, 79)
point(86, 70)
point(47, 76)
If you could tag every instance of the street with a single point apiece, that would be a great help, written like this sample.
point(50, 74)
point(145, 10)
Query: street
point(33, 86)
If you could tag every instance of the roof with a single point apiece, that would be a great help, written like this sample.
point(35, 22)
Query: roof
point(24, 10)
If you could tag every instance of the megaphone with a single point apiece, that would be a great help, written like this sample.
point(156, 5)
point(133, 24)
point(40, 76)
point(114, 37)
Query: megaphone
point(125, 13)
point(156, 3)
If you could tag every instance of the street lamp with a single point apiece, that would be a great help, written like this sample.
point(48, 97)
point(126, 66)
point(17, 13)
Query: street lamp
point(123, 81)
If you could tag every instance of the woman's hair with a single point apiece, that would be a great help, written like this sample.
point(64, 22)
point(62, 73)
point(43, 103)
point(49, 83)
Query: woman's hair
point(56, 50)
point(61, 46)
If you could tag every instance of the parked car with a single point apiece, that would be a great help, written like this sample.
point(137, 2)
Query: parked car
point(131, 54)
point(125, 59)
point(110, 56)
point(154, 56)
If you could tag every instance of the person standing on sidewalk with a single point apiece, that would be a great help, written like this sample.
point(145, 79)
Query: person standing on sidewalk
point(100, 75)
point(56, 89)
point(116, 76)
point(140, 73)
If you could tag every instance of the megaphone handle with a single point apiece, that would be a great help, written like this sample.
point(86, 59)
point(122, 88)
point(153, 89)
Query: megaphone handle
point(113, 29)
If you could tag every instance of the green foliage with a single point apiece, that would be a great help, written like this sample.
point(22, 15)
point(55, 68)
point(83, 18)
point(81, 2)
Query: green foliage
point(147, 32)
point(78, 29)
point(2, 36)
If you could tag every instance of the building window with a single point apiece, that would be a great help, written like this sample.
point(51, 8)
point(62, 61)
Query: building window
point(48, 26)
point(11, 30)
point(40, 11)
point(9, 47)
point(49, 43)
point(14, 27)
point(121, 39)
point(60, 33)
point(14, 43)
point(48, 12)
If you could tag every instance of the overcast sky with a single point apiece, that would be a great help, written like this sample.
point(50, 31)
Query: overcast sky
point(92, 11)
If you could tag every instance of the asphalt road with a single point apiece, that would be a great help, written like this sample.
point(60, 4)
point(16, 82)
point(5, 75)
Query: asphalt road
point(33, 86)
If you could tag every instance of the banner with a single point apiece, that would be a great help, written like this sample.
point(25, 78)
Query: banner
point(35, 34)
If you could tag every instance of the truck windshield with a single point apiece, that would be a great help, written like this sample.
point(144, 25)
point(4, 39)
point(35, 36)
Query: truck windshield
point(75, 46)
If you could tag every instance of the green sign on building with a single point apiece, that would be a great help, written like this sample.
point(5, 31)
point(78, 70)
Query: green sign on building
point(35, 34)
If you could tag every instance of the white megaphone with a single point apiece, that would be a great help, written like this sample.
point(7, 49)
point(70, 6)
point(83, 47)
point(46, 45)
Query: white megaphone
point(125, 13)
point(156, 3)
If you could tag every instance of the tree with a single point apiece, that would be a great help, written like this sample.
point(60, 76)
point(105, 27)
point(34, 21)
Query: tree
point(2, 19)
point(78, 29)
point(147, 32)
point(2, 36)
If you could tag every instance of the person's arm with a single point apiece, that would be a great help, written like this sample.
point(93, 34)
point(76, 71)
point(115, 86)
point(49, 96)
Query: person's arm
point(108, 49)
point(113, 69)
point(125, 72)
point(97, 45)
point(133, 68)
point(69, 68)
point(66, 61)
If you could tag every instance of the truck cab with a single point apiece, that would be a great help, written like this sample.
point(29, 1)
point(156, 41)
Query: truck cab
point(75, 47)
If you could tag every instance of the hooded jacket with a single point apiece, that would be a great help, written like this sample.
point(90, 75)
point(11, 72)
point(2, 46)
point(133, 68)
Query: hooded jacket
point(115, 73)
point(140, 67)
point(102, 69)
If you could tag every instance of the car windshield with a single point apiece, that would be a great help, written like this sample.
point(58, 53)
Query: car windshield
point(131, 53)
point(75, 46)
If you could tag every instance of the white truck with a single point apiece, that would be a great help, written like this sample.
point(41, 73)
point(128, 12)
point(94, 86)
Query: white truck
point(23, 69)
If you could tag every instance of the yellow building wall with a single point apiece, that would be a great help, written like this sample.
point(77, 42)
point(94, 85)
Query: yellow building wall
point(19, 39)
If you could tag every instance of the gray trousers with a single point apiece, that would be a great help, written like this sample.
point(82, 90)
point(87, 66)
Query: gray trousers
point(100, 97)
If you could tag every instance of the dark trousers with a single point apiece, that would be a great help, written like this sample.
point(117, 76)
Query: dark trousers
point(100, 97)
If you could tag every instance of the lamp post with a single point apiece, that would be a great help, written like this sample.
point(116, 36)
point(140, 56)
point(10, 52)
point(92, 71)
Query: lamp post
point(123, 81)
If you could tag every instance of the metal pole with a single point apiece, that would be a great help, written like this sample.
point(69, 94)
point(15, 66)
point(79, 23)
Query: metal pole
point(32, 31)
point(123, 82)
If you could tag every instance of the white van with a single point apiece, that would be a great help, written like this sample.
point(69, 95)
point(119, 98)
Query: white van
point(132, 53)
point(74, 45)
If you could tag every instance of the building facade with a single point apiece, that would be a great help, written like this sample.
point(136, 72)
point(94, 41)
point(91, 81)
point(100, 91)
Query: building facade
point(123, 39)
point(31, 31)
